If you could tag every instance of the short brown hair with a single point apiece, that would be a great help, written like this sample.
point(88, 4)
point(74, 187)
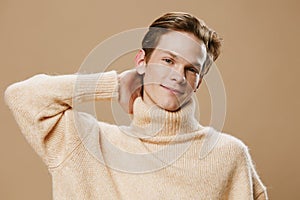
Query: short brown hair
point(184, 22)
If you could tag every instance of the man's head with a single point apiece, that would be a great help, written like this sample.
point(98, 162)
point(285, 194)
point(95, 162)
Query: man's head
point(182, 22)
point(177, 51)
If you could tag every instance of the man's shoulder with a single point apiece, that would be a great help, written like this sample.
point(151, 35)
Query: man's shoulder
point(222, 144)
point(228, 139)
point(230, 143)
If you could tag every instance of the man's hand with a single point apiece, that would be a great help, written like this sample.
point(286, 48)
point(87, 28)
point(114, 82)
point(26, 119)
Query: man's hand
point(129, 89)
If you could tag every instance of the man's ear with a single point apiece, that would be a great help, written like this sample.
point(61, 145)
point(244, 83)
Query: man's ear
point(140, 62)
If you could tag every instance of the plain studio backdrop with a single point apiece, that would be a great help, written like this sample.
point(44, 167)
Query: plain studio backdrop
point(259, 65)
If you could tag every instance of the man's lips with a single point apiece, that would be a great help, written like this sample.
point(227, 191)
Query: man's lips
point(173, 90)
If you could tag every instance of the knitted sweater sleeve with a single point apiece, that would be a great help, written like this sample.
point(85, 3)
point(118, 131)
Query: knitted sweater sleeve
point(246, 181)
point(259, 190)
point(43, 107)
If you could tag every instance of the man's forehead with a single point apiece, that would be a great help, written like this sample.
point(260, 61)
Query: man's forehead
point(184, 45)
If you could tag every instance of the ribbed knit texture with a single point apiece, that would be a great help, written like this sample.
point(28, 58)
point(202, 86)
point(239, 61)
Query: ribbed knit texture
point(157, 157)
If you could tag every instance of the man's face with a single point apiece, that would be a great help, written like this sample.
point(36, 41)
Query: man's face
point(172, 72)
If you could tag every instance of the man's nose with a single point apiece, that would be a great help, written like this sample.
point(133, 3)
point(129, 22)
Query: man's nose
point(178, 74)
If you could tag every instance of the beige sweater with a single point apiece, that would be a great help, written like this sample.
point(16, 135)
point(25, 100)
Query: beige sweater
point(161, 155)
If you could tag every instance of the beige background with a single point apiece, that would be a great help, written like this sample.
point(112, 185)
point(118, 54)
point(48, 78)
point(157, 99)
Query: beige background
point(259, 65)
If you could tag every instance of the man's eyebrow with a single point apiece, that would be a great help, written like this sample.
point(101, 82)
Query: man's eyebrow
point(175, 56)
point(170, 53)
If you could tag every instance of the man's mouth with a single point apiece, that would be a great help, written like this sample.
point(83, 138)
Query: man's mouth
point(173, 90)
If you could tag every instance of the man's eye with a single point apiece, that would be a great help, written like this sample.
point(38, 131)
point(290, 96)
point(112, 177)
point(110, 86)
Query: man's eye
point(192, 69)
point(167, 60)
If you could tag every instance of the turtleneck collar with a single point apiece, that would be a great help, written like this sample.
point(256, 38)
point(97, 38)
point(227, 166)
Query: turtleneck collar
point(153, 121)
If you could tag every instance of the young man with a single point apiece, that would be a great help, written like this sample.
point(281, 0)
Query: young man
point(157, 156)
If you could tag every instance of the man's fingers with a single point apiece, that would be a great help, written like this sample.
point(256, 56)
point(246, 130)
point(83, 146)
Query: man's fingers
point(135, 94)
point(130, 89)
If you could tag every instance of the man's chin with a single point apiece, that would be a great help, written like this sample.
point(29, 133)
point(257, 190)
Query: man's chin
point(170, 106)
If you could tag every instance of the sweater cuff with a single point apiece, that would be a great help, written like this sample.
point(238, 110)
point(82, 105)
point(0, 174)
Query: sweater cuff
point(97, 86)
point(107, 85)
